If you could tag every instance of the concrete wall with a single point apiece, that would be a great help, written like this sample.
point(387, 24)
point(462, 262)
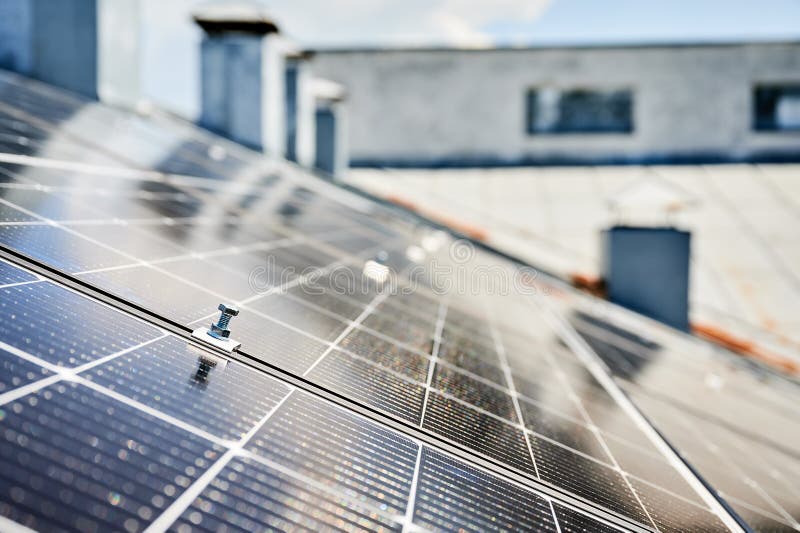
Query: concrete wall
point(454, 107)
point(54, 41)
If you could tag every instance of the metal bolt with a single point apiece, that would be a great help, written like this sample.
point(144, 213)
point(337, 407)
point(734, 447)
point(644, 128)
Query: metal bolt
point(220, 329)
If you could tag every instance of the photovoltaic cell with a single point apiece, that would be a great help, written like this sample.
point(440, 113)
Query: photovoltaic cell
point(571, 521)
point(386, 354)
point(402, 327)
point(10, 214)
point(273, 343)
point(453, 496)
point(57, 205)
point(10, 274)
point(294, 312)
point(366, 382)
point(248, 496)
point(543, 390)
point(174, 378)
point(562, 429)
point(59, 248)
point(137, 242)
point(340, 450)
point(318, 297)
point(474, 392)
point(156, 291)
point(17, 372)
point(488, 435)
point(586, 478)
point(64, 328)
point(761, 522)
point(73, 458)
point(651, 468)
point(473, 365)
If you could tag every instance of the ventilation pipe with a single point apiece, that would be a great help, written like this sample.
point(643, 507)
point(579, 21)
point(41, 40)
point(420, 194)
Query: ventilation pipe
point(646, 257)
point(243, 76)
point(300, 110)
point(331, 128)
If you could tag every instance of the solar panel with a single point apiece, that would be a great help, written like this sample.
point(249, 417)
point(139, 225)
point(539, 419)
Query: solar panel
point(348, 406)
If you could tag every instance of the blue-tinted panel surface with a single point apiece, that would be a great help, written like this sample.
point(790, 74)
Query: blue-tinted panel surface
point(9, 213)
point(58, 248)
point(74, 459)
point(171, 376)
point(453, 496)
point(157, 291)
point(64, 328)
point(11, 274)
point(248, 496)
point(17, 372)
point(340, 450)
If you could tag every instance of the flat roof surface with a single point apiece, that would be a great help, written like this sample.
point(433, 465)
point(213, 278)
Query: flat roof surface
point(745, 272)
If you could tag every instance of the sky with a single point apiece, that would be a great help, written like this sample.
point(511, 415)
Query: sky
point(171, 41)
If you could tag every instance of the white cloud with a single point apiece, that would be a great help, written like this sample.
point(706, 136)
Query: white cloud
point(398, 22)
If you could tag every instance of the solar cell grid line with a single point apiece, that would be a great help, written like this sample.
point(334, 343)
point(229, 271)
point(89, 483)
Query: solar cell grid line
point(592, 362)
point(60, 372)
point(408, 517)
point(307, 237)
point(204, 256)
point(568, 386)
point(364, 314)
point(71, 376)
point(766, 494)
point(24, 113)
point(437, 341)
point(501, 354)
point(171, 514)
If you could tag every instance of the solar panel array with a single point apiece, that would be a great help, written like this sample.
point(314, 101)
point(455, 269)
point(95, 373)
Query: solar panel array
point(353, 403)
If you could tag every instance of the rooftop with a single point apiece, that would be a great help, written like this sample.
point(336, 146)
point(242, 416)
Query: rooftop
point(352, 401)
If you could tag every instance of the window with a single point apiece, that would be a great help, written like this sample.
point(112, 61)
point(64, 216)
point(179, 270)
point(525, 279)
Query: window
point(776, 107)
point(579, 111)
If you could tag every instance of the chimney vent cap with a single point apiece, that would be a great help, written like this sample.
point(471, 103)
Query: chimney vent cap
point(234, 17)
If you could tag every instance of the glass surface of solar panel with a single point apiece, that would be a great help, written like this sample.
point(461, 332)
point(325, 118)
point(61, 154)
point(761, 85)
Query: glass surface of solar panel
point(63, 328)
point(74, 458)
point(480, 371)
point(9, 274)
point(716, 410)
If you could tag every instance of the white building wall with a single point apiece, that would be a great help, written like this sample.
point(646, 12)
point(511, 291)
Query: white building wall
point(468, 106)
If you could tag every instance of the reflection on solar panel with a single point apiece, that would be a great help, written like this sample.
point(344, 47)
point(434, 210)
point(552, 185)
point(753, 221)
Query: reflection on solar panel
point(353, 403)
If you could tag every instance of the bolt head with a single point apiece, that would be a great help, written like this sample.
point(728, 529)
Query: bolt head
point(228, 309)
